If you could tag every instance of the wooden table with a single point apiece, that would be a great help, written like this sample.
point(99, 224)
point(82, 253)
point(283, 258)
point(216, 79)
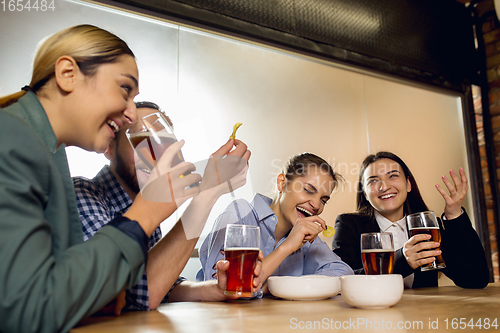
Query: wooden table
point(422, 310)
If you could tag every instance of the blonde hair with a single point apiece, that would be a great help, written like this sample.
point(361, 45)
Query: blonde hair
point(90, 46)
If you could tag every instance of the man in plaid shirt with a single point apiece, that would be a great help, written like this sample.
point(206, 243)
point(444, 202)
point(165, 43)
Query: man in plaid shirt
point(110, 193)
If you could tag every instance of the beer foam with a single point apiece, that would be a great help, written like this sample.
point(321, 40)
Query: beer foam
point(424, 228)
point(242, 249)
point(376, 250)
point(162, 133)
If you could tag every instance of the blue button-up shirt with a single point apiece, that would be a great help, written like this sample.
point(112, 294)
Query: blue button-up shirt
point(312, 258)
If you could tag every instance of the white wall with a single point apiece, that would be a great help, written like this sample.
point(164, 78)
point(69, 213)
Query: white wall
point(288, 104)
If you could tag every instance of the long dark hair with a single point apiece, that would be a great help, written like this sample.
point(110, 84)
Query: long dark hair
point(297, 166)
point(414, 202)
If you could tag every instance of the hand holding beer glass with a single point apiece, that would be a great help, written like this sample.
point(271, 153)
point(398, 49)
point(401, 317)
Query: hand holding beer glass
point(170, 177)
point(377, 252)
point(151, 136)
point(241, 249)
point(426, 223)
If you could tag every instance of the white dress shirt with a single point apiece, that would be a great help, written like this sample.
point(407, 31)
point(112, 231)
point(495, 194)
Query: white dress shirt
point(399, 232)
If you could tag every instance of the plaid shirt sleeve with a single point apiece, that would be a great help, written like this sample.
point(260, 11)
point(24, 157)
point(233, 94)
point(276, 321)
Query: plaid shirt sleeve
point(92, 206)
point(95, 212)
point(179, 280)
point(138, 296)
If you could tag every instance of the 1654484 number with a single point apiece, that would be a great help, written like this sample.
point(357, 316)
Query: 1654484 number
point(27, 5)
point(476, 324)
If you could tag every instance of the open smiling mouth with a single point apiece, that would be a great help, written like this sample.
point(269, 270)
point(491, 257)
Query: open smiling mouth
point(144, 170)
point(387, 196)
point(113, 125)
point(304, 211)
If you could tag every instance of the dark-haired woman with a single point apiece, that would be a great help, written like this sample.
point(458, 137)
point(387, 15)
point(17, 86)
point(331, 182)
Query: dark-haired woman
point(387, 192)
point(289, 224)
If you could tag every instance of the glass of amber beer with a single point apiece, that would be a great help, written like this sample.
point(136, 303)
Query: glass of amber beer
point(426, 223)
point(377, 253)
point(150, 136)
point(241, 249)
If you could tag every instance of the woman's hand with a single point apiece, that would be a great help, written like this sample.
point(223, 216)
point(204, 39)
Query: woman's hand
point(305, 230)
point(453, 206)
point(223, 266)
point(419, 252)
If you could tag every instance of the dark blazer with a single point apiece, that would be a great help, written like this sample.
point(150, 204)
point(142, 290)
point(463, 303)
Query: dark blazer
point(463, 252)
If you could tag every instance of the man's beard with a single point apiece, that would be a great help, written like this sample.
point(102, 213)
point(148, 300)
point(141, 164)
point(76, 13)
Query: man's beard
point(128, 175)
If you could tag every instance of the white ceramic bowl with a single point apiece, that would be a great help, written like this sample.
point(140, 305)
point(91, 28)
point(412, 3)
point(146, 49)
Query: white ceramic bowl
point(304, 288)
point(372, 291)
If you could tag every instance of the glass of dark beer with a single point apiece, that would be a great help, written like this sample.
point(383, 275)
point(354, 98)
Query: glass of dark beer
point(241, 249)
point(426, 223)
point(150, 136)
point(377, 253)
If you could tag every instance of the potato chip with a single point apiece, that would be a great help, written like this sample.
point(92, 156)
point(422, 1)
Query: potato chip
point(235, 128)
point(329, 231)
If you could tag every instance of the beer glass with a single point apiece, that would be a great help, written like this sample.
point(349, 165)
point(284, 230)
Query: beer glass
point(426, 223)
point(241, 249)
point(377, 253)
point(150, 136)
